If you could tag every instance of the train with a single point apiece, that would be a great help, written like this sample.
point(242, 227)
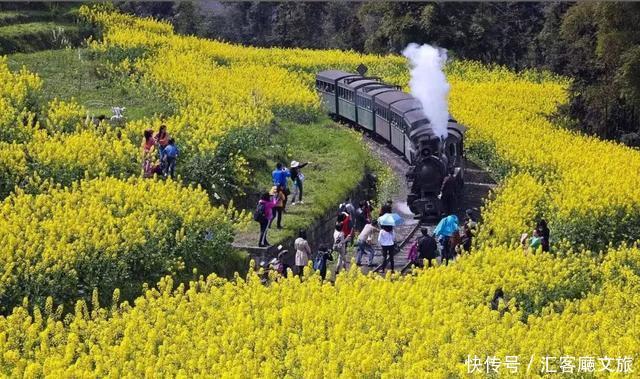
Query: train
point(397, 118)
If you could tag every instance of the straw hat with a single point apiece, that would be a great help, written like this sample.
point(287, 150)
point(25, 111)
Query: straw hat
point(295, 164)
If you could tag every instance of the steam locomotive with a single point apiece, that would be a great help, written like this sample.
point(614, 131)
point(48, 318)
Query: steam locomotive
point(385, 111)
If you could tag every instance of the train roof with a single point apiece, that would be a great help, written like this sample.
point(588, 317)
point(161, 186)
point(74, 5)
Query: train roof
point(357, 83)
point(333, 75)
point(415, 116)
point(392, 96)
point(378, 91)
point(406, 105)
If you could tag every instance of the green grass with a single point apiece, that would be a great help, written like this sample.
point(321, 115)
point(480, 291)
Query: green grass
point(71, 73)
point(339, 161)
point(42, 35)
point(17, 17)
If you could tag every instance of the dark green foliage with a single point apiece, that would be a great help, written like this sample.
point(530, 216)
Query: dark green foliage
point(214, 170)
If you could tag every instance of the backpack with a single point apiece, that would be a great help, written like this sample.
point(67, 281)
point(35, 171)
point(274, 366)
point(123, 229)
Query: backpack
point(413, 252)
point(260, 214)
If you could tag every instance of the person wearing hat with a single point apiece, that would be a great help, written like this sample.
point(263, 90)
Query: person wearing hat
point(297, 178)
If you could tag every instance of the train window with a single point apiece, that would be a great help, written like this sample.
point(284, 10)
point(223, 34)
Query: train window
point(452, 149)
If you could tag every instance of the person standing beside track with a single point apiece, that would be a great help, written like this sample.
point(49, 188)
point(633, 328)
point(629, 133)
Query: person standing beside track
point(279, 177)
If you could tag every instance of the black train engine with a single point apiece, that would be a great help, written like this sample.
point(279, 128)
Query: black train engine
point(432, 158)
point(386, 112)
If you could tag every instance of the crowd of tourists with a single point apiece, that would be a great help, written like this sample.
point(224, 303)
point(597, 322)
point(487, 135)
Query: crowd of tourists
point(356, 229)
point(159, 153)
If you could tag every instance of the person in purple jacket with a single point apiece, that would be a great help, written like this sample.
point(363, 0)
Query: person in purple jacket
point(264, 214)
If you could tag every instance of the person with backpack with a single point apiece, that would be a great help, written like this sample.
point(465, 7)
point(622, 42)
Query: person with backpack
point(297, 178)
point(364, 244)
point(387, 240)
point(320, 261)
point(263, 215)
point(302, 252)
point(347, 207)
point(340, 246)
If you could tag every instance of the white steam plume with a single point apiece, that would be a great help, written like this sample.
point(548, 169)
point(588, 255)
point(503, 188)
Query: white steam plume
point(429, 84)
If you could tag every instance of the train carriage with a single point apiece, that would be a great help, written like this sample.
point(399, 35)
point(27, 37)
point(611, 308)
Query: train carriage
point(398, 123)
point(349, 107)
point(366, 112)
point(384, 114)
point(327, 86)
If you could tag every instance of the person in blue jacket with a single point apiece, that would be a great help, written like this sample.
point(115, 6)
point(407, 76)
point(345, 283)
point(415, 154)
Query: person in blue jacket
point(279, 177)
point(169, 156)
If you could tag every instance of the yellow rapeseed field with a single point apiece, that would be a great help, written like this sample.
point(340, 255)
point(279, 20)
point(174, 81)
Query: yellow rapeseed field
point(100, 231)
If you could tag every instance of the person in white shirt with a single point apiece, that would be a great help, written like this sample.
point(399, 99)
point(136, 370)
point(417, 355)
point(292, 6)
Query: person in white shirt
point(303, 250)
point(364, 243)
point(387, 240)
point(340, 246)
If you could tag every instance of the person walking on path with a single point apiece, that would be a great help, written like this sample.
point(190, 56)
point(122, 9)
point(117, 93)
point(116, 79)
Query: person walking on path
point(387, 240)
point(427, 248)
point(365, 243)
point(340, 246)
point(279, 177)
point(278, 194)
point(446, 229)
point(302, 252)
point(297, 178)
point(361, 216)
point(320, 261)
point(345, 221)
point(263, 215)
point(448, 194)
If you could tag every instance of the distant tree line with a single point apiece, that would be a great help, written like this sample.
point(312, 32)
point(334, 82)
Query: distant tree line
point(597, 44)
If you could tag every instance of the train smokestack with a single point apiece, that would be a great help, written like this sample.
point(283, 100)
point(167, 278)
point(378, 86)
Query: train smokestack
point(429, 84)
